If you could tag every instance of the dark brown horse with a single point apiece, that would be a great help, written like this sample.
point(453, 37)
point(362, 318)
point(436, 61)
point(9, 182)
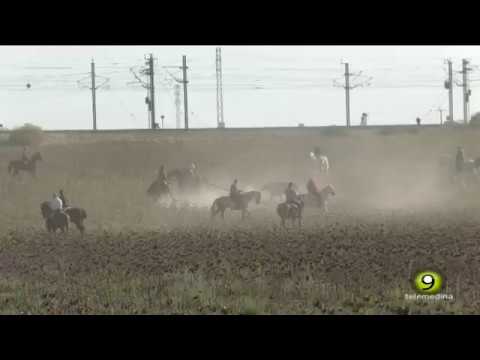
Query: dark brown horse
point(77, 216)
point(29, 166)
point(58, 221)
point(290, 211)
point(159, 190)
point(225, 202)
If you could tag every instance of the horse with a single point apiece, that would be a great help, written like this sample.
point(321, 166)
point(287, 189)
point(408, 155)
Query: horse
point(30, 166)
point(320, 201)
point(470, 173)
point(76, 216)
point(277, 189)
point(158, 190)
point(58, 221)
point(290, 211)
point(470, 170)
point(225, 202)
point(185, 179)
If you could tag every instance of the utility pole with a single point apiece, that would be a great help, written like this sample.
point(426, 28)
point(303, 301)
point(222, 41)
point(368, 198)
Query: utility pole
point(178, 103)
point(347, 93)
point(94, 100)
point(93, 87)
point(150, 86)
point(152, 91)
point(349, 87)
point(185, 96)
point(466, 90)
point(449, 87)
point(184, 81)
point(440, 110)
point(220, 121)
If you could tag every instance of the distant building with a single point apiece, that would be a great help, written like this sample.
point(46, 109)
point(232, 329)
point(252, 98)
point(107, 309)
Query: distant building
point(301, 125)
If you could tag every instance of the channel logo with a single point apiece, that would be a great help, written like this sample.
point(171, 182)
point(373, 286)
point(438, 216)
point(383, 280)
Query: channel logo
point(427, 285)
point(428, 282)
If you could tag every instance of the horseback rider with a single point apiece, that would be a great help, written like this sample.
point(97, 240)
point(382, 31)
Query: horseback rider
point(64, 199)
point(194, 173)
point(162, 175)
point(56, 205)
point(193, 168)
point(459, 160)
point(291, 196)
point(235, 193)
point(312, 189)
point(25, 158)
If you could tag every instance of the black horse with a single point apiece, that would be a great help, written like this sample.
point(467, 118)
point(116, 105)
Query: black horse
point(290, 211)
point(58, 221)
point(159, 190)
point(29, 166)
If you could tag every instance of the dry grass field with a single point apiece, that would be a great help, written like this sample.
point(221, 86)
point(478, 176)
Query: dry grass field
point(394, 213)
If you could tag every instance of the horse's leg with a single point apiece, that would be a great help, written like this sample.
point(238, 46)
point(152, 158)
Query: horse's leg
point(246, 213)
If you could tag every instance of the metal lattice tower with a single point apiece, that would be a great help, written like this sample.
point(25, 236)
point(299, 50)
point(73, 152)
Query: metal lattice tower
point(178, 106)
point(220, 120)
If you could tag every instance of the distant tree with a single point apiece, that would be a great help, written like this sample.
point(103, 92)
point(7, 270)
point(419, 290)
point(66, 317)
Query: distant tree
point(26, 135)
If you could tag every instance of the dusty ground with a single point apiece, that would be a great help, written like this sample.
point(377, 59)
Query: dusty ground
point(395, 212)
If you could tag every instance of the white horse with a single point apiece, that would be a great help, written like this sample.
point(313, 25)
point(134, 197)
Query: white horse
point(320, 201)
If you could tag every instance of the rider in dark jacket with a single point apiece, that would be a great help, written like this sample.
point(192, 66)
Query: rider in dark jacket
point(459, 160)
point(162, 175)
point(291, 196)
point(24, 155)
point(235, 193)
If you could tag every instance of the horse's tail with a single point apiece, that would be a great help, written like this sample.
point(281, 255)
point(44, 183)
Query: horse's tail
point(84, 214)
point(10, 167)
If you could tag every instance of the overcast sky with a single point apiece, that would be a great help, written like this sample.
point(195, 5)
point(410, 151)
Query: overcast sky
point(263, 85)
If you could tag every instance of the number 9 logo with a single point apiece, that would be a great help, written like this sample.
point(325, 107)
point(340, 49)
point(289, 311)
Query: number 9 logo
point(428, 282)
